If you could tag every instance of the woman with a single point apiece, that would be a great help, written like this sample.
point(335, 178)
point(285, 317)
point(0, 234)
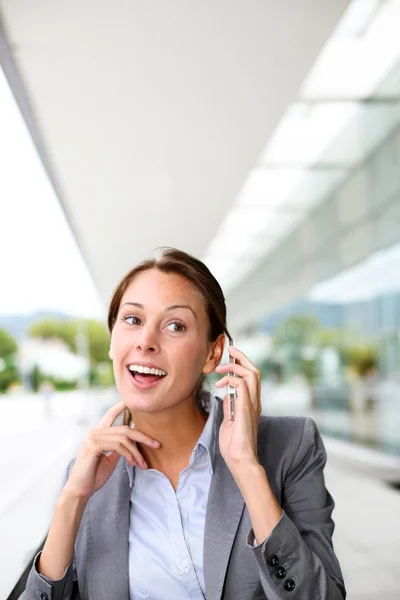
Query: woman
point(180, 502)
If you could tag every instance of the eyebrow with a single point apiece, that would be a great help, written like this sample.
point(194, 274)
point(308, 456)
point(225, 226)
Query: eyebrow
point(169, 308)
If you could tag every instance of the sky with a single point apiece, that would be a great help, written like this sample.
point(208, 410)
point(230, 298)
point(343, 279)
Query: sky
point(41, 267)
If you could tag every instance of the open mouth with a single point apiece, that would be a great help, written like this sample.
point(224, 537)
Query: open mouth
point(145, 376)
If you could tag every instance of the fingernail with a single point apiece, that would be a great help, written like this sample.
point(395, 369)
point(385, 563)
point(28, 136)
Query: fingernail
point(156, 444)
point(145, 464)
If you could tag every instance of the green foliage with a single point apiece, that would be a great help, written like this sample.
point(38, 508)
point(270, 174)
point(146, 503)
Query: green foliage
point(102, 375)
point(98, 337)
point(54, 329)
point(8, 345)
point(36, 378)
point(301, 332)
point(99, 342)
point(8, 376)
point(361, 357)
point(292, 338)
point(297, 331)
point(8, 370)
point(269, 367)
point(60, 385)
point(309, 368)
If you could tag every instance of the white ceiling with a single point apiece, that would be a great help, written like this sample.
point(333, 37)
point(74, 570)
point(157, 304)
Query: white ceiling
point(150, 115)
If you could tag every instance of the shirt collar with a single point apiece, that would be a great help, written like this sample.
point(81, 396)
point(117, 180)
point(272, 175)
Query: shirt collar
point(206, 440)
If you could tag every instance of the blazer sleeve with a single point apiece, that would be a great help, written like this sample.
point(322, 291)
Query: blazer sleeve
point(39, 586)
point(297, 560)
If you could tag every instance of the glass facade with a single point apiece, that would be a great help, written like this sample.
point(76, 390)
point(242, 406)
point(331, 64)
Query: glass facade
point(338, 346)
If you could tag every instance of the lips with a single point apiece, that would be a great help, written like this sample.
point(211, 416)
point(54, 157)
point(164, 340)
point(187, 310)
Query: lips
point(146, 368)
point(144, 381)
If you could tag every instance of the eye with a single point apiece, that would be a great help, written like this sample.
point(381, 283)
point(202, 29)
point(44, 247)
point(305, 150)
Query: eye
point(130, 317)
point(178, 327)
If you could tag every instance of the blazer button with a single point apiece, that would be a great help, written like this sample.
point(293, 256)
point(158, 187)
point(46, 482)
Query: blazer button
point(280, 573)
point(289, 585)
point(44, 596)
point(273, 561)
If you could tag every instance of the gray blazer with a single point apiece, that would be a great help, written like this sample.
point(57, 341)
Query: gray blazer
point(292, 453)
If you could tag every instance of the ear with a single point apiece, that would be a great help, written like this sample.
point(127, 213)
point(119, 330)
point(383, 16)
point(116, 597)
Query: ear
point(215, 354)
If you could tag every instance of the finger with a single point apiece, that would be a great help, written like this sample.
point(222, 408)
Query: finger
point(250, 394)
point(137, 436)
point(112, 413)
point(118, 447)
point(118, 440)
point(249, 375)
point(134, 450)
point(235, 368)
point(250, 382)
point(114, 457)
point(225, 406)
point(235, 382)
point(244, 361)
point(138, 457)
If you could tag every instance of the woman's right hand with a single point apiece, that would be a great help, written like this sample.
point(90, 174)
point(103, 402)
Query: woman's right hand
point(92, 467)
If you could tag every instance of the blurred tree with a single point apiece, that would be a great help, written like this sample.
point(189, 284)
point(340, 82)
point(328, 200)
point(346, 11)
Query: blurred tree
point(295, 343)
point(8, 346)
point(99, 339)
point(269, 368)
point(299, 339)
point(61, 385)
point(8, 369)
point(99, 342)
point(362, 358)
point(49, 328)
point(298, 331)
point(7, 377)
point(36, 378)
point(102, 375)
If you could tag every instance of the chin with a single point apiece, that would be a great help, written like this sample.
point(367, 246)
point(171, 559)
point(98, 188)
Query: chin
point(143, 401)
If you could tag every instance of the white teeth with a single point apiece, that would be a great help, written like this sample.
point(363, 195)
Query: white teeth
point(152, 371)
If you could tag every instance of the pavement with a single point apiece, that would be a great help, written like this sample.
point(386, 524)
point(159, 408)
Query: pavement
point(367, 534)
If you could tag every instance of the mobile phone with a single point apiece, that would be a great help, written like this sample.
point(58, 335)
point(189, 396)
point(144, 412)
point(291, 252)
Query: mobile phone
point(232, 395)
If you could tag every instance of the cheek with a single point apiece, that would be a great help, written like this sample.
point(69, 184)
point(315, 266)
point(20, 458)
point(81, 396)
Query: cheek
point(189, 356)
point(120, 346)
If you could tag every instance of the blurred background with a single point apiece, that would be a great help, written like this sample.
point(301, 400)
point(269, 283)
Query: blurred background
point(262, 137)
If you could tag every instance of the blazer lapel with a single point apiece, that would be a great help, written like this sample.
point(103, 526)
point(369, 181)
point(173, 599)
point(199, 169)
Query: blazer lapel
point(107, 556)
point(224, 510)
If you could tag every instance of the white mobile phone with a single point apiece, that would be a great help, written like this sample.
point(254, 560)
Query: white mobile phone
point(231, 390)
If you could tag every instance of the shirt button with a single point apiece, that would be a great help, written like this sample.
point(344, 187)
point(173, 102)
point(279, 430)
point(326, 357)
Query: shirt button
point(183, 566)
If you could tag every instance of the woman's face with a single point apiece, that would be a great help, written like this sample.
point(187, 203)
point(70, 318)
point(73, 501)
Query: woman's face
point(161, 323)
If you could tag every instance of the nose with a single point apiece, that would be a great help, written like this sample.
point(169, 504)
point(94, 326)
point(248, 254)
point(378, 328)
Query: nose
point(147, 340)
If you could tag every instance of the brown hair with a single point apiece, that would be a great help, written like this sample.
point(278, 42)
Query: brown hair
point(176, 261)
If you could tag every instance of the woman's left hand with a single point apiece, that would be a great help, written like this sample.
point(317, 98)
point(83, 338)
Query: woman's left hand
point(238, 438)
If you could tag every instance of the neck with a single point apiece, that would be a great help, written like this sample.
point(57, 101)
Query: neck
point(177, 429)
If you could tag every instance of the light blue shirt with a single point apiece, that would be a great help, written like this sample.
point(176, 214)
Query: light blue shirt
point(166, 533)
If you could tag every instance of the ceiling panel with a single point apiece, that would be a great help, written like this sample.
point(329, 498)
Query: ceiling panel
point(150, 115)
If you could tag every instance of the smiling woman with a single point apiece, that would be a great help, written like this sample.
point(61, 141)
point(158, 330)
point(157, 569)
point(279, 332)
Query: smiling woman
point(180, 501)
point(177, 302)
